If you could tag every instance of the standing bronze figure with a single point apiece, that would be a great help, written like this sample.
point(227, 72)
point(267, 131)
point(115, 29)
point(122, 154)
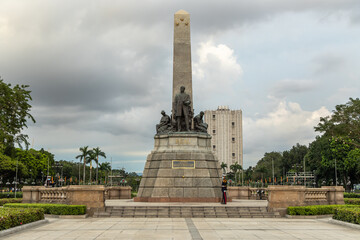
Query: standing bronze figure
point(182, 105)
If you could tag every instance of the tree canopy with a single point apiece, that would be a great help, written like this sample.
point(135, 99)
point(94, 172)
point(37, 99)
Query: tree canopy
point(344, 122)
point(14, 113)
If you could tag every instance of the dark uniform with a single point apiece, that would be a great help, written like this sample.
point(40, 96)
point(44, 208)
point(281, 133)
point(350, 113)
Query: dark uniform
point(224, 189)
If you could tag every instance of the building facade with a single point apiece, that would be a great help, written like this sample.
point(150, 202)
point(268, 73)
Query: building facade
point(225, 127)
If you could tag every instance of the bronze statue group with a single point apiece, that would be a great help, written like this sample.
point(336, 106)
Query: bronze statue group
point(182, 117)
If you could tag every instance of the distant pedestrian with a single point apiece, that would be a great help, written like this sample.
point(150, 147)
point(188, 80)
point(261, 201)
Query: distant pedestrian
point(224, 189)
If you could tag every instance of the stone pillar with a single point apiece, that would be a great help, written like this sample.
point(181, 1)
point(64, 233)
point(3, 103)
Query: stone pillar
point(31, 194)
point(182, 75)
point(280, 197)
point(335, 194)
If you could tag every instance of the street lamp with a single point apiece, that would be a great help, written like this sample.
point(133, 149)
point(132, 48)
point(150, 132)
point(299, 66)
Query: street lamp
point(272, 162)
point(335, 174)
point(42, 178)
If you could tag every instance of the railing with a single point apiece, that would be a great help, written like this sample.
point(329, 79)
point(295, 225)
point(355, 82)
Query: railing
point(53, 195)
point(320, 195)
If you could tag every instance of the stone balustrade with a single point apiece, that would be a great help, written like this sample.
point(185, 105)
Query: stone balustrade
point(52, 195)
point(247, 193)
point(93, 196)
point(280, 197)
point(316, 195)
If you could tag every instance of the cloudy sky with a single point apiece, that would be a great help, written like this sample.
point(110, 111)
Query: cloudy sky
point(101, 71)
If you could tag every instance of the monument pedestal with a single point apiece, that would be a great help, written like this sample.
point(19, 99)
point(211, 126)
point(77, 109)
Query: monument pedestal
point(181, 168)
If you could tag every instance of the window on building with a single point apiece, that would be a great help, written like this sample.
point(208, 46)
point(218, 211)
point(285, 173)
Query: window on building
point(214, 131)
point(214, 147)
point(233, 124)
point(233, 154)
point(233, 139)
point(214, 116)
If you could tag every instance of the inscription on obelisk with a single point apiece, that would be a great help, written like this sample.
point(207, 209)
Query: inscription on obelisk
point(182, 75)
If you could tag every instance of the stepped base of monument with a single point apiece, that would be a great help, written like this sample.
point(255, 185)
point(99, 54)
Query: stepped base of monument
point(181, 168)
point(176, 199)
point(235, 209)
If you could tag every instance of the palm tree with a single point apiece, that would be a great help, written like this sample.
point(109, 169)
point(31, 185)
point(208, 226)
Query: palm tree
point(98, 153)
point(105, 167)
point(84, 153)
point(224, 166)
point(92, 157)
point(234, 168)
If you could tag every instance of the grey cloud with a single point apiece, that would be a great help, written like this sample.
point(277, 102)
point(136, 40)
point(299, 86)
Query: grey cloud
point(287, 87)
point(87, 59)
point(329, 63)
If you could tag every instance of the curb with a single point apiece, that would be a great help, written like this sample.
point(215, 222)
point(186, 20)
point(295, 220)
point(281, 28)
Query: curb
point(22, 227)
point(308, 216)
point(66, 216)
point(346, 224)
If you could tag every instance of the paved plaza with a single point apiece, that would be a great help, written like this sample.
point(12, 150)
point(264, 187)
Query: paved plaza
point(187, 228)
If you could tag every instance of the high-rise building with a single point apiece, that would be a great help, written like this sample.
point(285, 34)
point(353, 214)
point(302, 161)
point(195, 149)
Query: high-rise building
point(225, 127)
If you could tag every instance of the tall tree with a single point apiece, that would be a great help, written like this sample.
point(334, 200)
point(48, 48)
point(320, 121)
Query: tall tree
point(98, 153)
point(342, 129)
point(84, 154)
point(90, 159)
point(344, 122)
point(14, 113)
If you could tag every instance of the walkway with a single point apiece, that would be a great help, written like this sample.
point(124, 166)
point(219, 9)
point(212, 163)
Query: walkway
point(187, 228)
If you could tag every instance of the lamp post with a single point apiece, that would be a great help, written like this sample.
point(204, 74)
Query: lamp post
point(272, 162)
point(111, 172)
point(42, 178)
point(335, 174)
point(17, 163)
point(79, 170)
point(304, 174)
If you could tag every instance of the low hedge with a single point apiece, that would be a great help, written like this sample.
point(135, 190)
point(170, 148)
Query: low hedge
point(351, 195)
point(313, 210)
point(352, 201)
point(11, 194)
point(351, 215)
point(10, 200)
point(56, 209)
point(14, 217)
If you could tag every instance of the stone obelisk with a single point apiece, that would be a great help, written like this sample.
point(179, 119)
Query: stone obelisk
point(182, 75)
point(182, 166)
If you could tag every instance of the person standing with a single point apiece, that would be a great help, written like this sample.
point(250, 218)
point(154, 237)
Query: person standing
point(224, 189)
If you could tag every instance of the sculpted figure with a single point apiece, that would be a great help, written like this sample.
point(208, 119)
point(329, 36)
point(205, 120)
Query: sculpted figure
point(182, 109)
point(199, 124)
point(165, 123)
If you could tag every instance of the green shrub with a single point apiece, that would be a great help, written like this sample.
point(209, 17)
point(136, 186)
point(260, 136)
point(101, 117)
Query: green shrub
point(56, 209)
point(10, 200)
point(351, 215)
point(352, 201)
point(313, 210)
point(351, 195)
point(11, 194)
point(14, 217)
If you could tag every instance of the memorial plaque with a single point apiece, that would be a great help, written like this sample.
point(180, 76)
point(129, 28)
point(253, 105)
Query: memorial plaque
point(183, 164)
